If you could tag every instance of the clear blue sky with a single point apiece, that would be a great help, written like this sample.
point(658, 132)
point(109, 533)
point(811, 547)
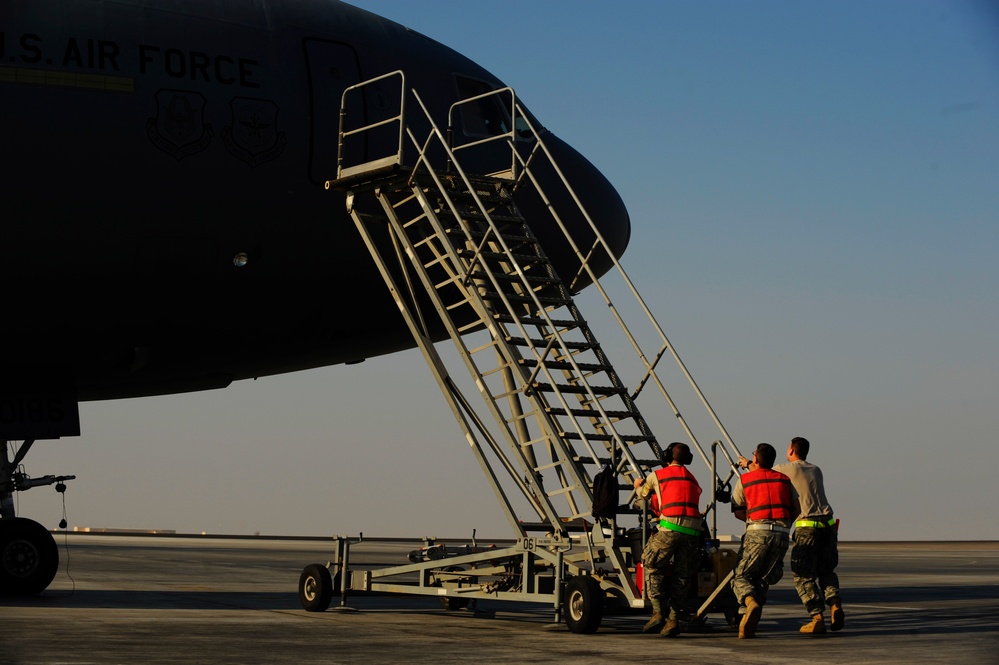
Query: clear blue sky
point(814, 190)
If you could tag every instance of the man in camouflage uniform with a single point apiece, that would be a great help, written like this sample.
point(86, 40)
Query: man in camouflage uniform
point(815, 553)
point(766, 500)
point(673, 494)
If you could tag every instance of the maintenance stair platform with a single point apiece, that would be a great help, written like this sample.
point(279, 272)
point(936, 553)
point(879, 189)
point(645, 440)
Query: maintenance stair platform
point(463, 263)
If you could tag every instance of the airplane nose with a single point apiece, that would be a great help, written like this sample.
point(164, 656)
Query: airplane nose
point(597, 196)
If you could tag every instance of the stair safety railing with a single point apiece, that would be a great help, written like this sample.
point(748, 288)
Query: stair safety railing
point(519, 173)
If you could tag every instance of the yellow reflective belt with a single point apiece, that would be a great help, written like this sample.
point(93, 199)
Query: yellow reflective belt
point(804, 524)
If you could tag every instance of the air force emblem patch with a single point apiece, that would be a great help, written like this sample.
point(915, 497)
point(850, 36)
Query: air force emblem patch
point(253, 135)
point(179, 126)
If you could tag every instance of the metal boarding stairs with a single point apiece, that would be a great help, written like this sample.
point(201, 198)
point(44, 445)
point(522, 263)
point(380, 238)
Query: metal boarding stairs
point(459, 258)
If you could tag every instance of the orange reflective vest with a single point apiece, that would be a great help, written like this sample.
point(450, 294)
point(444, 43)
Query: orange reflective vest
point(768, 495)
point(679, 493)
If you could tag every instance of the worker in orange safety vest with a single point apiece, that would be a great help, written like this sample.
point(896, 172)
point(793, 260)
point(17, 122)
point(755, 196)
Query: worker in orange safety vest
point(767, 501)
point(673, 495)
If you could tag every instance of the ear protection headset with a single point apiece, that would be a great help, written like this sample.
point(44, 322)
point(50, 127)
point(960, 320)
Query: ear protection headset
point(685, 456)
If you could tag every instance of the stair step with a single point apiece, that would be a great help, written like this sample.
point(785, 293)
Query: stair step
point(510, 238)
point(599, 436)
point(528, 300)
point(541, 343)
point(590, 413)
point(578, 390)
point(519, 258)
point(647, 464)
point(561, 324)
point(566, 365)
point(473, 215)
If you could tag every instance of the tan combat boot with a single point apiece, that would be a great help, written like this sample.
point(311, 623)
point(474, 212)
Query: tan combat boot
point(671, 628)
point(838, 618)
point(747, 627)
point(657, 620)
point(816, 627)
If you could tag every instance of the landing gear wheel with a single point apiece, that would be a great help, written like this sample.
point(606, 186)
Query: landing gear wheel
point(584, 604)
point(29, 558)
point(315, 588)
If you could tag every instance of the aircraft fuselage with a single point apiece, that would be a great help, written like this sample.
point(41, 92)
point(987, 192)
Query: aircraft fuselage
point(165, 224)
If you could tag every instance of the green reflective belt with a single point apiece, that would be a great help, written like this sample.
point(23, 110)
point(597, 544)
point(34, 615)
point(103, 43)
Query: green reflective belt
point(679, 529)
point(802, 524)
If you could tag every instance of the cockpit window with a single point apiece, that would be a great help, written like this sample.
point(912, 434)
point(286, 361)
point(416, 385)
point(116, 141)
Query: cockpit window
point(489, 116)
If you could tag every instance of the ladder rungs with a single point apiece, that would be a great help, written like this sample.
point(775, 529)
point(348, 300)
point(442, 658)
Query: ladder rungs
point(542, 280)
point(503, 317)
point(521, 259)
point(590, 413)
point(472, 215)
point(562, 490)
point(565, 365)
point(541, 343)
point(544, 300)
point(510, 238)
point(579, 390)
point(550, 465)
point(600, 436)
point(485, 190)
point(643, 463)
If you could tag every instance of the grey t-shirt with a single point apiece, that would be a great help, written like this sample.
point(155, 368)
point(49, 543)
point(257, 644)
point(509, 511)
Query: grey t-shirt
point(807, 479)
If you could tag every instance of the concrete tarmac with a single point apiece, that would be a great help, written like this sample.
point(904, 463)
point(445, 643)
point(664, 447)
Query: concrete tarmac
point(130, 599)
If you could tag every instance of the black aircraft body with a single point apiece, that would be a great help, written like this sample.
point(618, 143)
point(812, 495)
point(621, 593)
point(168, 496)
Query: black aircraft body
point(165, 225)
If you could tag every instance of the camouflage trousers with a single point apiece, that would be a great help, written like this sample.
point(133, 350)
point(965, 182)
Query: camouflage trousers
point(661, 547)
point(760, 564)
point(814, 558)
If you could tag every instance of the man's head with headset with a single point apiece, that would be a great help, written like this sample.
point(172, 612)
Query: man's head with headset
point(677, 453)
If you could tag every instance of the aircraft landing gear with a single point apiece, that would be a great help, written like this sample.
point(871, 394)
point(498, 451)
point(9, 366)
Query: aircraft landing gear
point(29, 558)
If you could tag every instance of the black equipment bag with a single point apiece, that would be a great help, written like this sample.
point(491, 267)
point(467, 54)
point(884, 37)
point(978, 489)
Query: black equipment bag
point(605, 493)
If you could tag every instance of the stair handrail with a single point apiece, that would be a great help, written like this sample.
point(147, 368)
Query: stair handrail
point(626, 453)
point(634, 291)
point(389, 160)
point(511, 136)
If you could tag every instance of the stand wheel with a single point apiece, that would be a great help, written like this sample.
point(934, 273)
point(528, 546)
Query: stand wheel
point(315, 588)
point(584, 605)
point(450, 603)
point(29, 558)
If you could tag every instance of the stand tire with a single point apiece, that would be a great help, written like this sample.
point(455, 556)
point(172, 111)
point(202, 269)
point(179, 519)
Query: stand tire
point(584, 605)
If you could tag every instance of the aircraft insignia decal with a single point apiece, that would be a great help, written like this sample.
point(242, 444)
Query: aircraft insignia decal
point(253, 135)
point(179, 126)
